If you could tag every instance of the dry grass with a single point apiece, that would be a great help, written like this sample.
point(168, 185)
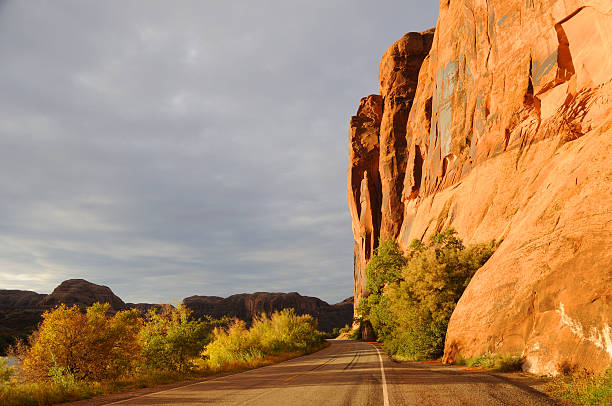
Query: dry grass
point(238, 366)
point(50, 393)
point(174, 352)
point(493, 362)
point(582, 387)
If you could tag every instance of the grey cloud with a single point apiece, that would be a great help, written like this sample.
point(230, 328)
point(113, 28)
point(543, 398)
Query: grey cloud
point(170, 149)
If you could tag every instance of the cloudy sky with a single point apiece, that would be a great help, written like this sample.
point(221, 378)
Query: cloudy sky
point(174, 148)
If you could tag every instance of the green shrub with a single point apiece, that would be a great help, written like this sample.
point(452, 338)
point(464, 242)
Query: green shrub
point(333, 334)
point(171, 340)
point(336, 331)
point(412, 297)
point(233, 344)
point(385, 266)
point(494, 362)
point(583, 387)
point(355, 334)
point(6, 372)
point(77, 354)
point(345, 329)
point(281, 333)
point(383, 269)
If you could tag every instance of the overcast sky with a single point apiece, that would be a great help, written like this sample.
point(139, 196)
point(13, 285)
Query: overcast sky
point(167, 149)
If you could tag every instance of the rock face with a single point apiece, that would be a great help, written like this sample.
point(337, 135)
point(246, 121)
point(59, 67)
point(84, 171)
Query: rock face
point(509, 138)
point(364, 186)
point(245, 306)
point(377, 151)
point(82, 293)
point(398, 76)
point(20, 298)
point(20, 311)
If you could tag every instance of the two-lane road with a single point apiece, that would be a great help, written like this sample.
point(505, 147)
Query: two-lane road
point(349, 373)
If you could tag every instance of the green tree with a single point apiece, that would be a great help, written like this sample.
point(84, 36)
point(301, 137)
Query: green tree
point(172, 339)
point(282, 332)
point(384, 268)
point(412, 297)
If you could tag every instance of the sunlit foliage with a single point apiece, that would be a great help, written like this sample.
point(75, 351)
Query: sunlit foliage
point(283, 332)
point(412, 297)
point(171, 339)
point(70, 344)
point(6, 372)
point(78, 353)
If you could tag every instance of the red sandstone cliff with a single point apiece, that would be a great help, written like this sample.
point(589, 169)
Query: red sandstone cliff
point(508, 138)
point(377, 151)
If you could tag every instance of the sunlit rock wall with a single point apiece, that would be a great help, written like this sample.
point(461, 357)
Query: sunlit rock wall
point(509, 138)
point(377, 151)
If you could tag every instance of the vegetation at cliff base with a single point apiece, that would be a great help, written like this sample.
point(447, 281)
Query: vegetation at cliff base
point(582, 387)
point(493, 362)
point(413, 295)
point(77, 354)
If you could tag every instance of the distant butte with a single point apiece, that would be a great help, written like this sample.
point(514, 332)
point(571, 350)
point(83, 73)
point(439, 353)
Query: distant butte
point(21, 310)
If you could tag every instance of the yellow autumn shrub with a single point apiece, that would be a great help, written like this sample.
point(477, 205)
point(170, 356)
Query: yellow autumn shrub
point(90, 346)
point(282, 332)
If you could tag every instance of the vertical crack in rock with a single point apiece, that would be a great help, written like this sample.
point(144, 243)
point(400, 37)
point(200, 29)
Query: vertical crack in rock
point(416, 173)
point(564, 56)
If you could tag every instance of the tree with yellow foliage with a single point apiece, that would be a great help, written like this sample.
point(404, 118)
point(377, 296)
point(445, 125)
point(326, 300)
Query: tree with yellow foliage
point(90, 346)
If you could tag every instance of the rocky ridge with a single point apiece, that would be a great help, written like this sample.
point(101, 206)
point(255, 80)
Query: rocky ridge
point(82, 293)
point(20, 310)
point(507, 138)
point(246, 306)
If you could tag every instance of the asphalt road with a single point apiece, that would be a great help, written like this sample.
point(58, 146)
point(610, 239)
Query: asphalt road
point(351, 373)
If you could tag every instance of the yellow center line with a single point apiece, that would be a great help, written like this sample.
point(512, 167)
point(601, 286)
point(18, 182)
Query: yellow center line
point(291, 377)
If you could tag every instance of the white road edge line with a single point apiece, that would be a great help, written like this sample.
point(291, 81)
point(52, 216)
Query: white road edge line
point(384, 379)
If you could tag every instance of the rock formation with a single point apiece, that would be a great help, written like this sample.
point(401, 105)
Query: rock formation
point(82, 293)
point(20, 298)
point(364, 186)
point(21, 310)
point(377, 151)
point(245, 306)
point(508, 138)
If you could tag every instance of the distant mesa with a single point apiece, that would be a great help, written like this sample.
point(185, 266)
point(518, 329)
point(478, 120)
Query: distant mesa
point(20, 298)
point(245, 306)
point(21, 310)
point(82, 293)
